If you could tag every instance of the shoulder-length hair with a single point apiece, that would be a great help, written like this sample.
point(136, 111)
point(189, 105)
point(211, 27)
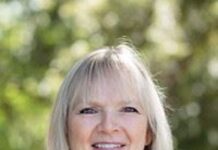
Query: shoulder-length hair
point(128, 77)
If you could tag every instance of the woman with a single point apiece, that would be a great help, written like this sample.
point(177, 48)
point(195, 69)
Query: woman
point(108, 101)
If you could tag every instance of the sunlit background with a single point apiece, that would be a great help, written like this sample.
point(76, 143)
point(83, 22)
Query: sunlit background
point(41, 39)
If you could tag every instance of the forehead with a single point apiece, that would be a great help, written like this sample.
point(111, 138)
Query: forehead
point(104, 98)
point(109, 89)
point(111, 103)
point(107, 77)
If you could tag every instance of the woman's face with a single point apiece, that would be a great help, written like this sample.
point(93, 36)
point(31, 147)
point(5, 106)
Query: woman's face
point(108, 123)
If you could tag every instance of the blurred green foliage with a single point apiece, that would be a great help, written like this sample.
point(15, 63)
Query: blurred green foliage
point(41, 39)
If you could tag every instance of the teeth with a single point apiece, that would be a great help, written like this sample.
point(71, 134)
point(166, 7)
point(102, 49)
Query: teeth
point(107, 145)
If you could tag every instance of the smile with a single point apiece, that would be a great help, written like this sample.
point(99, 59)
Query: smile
point(107, 145)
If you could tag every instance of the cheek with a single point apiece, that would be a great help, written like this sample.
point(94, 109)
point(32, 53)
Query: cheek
point(79, 131)
point(136, 127)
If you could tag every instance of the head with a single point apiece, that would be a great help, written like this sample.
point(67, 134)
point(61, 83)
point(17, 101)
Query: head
point(108, 99)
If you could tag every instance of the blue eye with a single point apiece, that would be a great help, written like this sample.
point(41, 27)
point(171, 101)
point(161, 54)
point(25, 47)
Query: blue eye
point(130, 110)
point(88, 111)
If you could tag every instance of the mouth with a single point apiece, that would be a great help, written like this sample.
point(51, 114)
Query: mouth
point(107, 146)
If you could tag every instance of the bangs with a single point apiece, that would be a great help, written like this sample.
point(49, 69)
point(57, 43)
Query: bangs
point(107, 75)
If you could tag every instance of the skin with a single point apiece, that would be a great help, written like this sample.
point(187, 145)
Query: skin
point(108, 123)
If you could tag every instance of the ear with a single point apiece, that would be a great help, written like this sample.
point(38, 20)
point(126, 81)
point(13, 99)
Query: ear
point(148, 137)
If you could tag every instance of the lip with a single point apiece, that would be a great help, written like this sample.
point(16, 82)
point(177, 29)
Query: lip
point(108, 146)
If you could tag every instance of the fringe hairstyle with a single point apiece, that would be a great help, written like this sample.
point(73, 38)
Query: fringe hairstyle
point(126, 72)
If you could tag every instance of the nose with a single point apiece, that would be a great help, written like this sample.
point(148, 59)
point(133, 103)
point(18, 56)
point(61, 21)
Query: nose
point(108, 123)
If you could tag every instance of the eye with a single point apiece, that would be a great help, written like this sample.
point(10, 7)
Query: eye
point(88, 111)
point(129, 109)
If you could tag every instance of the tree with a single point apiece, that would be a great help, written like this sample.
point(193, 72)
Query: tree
point(40, 41)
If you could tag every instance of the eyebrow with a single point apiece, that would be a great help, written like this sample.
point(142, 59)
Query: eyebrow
point(120, 103)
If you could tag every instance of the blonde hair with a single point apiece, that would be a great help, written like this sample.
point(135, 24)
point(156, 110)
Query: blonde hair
point(127, 76)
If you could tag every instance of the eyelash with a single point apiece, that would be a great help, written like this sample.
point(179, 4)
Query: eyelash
point(88, 111)
point(130, 109)
point(127, 109)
